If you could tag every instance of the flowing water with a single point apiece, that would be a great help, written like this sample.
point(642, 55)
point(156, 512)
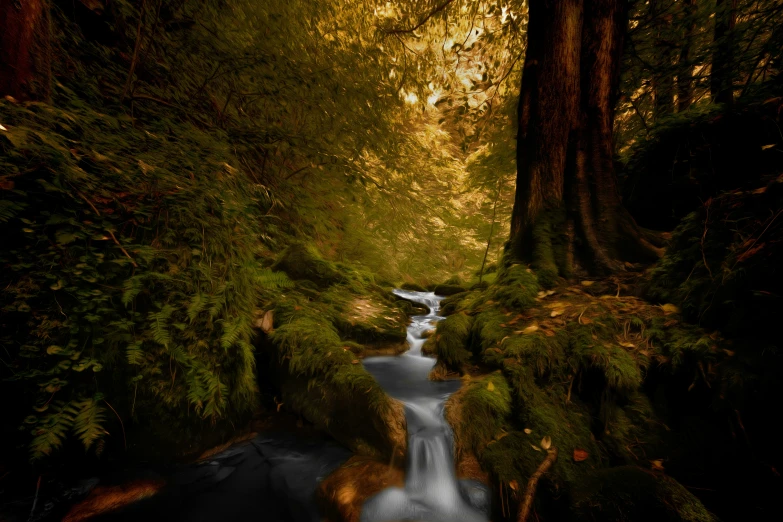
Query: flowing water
point(432, 492)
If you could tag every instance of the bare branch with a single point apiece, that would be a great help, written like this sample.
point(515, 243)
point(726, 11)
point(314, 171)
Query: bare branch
point(422, 21)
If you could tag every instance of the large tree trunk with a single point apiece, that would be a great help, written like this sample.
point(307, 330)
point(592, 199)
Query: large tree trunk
point(25, 49)
point(722, 76)
point(567, 207)
point(685, 70)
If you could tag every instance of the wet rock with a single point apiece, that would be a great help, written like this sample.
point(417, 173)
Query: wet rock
point(343, 493)
point(477, 495)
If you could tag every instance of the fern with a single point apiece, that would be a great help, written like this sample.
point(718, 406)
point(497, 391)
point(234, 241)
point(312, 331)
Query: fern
point(50, 431)
point(131, 288)
point(134, 354)
point(196, 306)
point(231, 333)
point(88, 424)
point(159, 327)
point(267, 278)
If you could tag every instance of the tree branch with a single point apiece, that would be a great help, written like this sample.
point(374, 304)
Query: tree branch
point(530, 491)
point(423, 21)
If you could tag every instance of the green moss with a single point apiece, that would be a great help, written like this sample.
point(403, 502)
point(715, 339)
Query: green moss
point(451, 339)
point(413, 287)
point(629, 493)
point(448, 289)
point(478, 412)
point(542, 353)
point(487, 331)
point(621, 372)
point(544, 260)
point(457, 302)
point(516, 288)
point(303, 261)
point(322, 381)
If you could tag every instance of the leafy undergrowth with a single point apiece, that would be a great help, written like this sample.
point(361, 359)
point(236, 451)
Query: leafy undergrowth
point(695, 155)
point(315, 349)
point(130, 276)
point(611, 380)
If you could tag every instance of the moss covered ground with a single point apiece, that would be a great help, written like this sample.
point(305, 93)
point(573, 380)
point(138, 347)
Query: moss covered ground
point(610, 379)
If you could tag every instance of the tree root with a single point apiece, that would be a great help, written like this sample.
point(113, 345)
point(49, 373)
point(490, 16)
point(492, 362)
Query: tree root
point(530, 491)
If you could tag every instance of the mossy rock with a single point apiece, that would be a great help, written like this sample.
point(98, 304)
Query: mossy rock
point(478, 412)
point(448, 289)
point(630, 493)
point(451, 340)
point(411, 307)
point(322, 379)
point(413, 287)
point(303, 261)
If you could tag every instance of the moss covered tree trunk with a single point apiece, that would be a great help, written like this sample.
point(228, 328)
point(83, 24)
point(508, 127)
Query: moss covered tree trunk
point(25, 49)
point(567, 209)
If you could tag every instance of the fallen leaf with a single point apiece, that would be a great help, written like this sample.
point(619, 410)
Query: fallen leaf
point(627, 345)
point(546, 442)
point(657, 464)
point(528, 431)
point(267, 321)
point(490, 386)
point(728, 352)
point(669, 308)
point(355, 361)
point(555, 313)
point(513, 485)
point(530, 329)
point(502, 435)
point(535, 447)
point(580, 455)
point(765, 147)
point(588, 283)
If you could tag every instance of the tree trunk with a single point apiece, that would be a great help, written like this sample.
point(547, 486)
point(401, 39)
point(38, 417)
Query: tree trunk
point(685, 70)
point(663, 77)
point(25, 49)
point(565, 174)
point(722, 77)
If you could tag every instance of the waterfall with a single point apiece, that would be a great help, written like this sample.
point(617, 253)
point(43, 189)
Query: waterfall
point(431, 492)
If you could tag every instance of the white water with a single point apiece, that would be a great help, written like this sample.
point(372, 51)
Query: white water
point(432, 492)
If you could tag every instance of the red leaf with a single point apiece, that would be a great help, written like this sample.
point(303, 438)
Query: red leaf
point(580, 455)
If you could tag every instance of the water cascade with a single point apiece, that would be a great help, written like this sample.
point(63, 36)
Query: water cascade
point(432, 492)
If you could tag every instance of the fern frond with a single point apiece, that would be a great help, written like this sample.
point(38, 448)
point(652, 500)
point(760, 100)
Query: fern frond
point(48, 435)
point(134, 353)
point(88, 424)
point(267, 278)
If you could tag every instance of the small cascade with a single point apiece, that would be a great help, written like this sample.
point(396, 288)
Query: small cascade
point(432, 492)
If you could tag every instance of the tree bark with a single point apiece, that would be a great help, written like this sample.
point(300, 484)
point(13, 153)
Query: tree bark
point(565, 173)
point(25, 49)
point(722, 77)
point(685, 70)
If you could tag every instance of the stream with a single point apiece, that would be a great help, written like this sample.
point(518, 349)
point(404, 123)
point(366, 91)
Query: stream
point(432, 492)
point(274, 476)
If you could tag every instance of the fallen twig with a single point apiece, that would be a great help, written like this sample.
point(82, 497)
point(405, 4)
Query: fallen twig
point(530, 491)
point(35, 500)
